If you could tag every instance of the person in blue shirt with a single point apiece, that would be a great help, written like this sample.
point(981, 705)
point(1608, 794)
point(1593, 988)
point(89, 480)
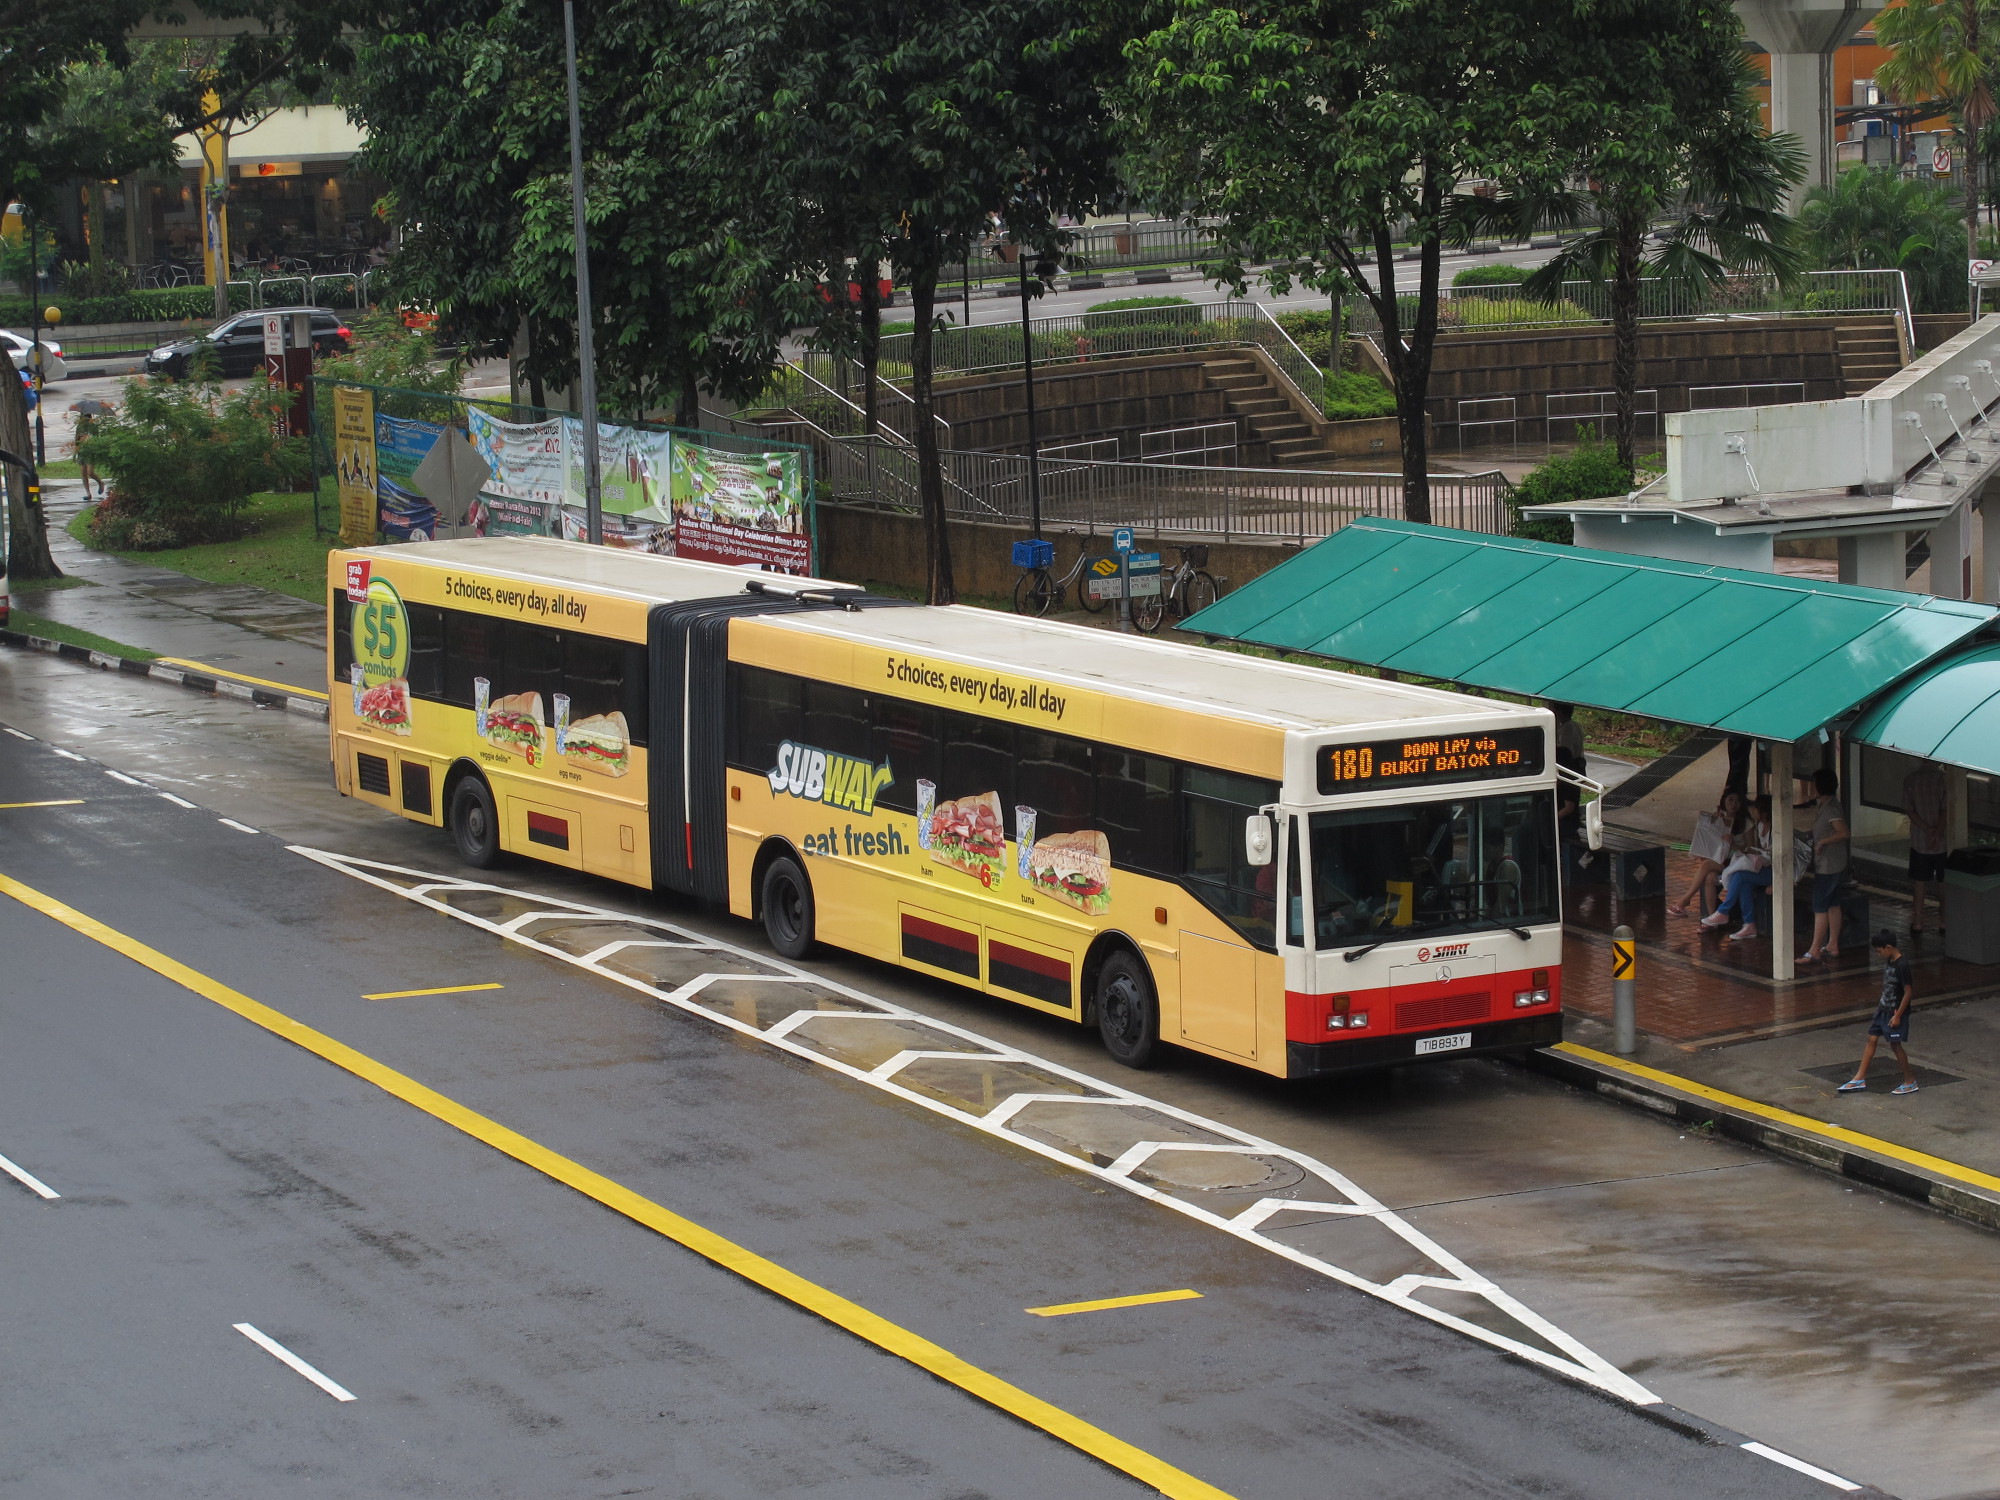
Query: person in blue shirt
point(1891, 1019)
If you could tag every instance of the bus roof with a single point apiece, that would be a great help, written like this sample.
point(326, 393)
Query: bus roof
point(609, 570)
point(1279, 694)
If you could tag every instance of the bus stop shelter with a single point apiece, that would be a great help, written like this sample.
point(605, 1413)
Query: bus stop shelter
point(1764, 655)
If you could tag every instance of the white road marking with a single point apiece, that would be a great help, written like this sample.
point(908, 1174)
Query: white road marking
point(121, 776)
point(1801, 1465)
point(278, 1351)
point(239, 827)
point(1004, 1116)
point(27, 1179)
point(177, 801)
point(15, 732)
point(66, 754)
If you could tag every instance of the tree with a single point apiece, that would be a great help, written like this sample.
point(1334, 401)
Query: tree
point(1870, 220)
point(1325, 132)
point(1659, 110)
point(1946, 44)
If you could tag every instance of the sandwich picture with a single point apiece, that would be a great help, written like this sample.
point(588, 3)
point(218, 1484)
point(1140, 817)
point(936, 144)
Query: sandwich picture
point(387, 705)
point(515, 723)
point(600, 743)
point(968, 835)
point(1073, 867)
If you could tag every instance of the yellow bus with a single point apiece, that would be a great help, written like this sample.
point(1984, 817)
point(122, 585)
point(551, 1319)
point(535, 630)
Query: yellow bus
point(1300, 870)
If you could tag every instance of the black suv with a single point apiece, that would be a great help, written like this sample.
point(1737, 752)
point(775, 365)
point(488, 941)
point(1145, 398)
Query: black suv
point(239, 343)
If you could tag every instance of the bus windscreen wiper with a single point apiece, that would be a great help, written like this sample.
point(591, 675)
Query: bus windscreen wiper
point(1520, 932)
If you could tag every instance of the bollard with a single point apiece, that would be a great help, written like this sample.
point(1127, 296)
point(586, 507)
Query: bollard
point(1624, 992)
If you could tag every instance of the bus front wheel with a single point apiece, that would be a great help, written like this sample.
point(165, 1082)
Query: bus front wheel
point(475, 826)
point(788, 907)
point(1128, 1011)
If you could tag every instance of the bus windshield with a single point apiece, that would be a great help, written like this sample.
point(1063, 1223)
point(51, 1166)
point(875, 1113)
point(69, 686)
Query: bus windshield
point(1428, 868)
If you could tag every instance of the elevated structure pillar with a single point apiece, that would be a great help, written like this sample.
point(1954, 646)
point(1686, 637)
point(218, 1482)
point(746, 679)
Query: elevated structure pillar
point(1801, 37)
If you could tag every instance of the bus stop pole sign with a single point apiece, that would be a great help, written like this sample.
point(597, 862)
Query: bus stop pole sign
point(1121, 539)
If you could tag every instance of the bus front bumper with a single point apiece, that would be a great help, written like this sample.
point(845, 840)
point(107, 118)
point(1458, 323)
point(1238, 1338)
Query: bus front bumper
point(1321, 1059)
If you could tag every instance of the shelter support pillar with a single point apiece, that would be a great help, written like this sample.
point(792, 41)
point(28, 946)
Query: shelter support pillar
point(1782, 874)
point(1951, 554)
point(1874, 561)
point(1989, 546)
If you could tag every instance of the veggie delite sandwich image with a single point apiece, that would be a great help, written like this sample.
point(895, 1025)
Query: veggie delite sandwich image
point(600, 743)
point(515, 723)
point(1073, 867)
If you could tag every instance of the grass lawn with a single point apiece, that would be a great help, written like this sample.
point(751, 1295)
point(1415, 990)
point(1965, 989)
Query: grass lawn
point(49, 630)
point(60, 468)
point(283, 554)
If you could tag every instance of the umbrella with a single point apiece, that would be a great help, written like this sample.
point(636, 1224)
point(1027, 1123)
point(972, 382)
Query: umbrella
point(92, 407)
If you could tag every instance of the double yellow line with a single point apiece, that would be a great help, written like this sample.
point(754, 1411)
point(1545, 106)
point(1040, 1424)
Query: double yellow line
point(834, 1308)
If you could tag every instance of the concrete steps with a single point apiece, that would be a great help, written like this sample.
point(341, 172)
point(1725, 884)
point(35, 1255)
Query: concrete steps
point(1269, 414)
point(1869, 354)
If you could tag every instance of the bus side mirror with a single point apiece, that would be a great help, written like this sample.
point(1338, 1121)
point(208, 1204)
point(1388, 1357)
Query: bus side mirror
point(1593, 824)
point(1257, 839)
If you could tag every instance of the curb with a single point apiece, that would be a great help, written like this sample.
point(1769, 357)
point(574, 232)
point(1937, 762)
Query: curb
point(1933, 1189)
point(297, 703)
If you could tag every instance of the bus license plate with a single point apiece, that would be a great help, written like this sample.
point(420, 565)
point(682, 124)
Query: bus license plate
point(1450, 1043)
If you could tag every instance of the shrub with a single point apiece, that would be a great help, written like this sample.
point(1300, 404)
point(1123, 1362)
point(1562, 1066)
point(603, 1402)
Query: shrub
point(1491, 312)
point(1124, 304)
point(105, 279)
point(1312, 331)
point(1495, 275)
point(1352, 395)
point(181, 460)
point(1591, 472)
point(141, 305)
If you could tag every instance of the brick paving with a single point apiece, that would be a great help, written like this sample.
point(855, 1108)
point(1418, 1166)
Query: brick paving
point(1697, 991)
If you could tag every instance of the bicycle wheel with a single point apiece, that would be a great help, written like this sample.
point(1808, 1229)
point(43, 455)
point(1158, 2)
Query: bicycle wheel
point(1196, 592)
point(1035, 591)
point(1147, 612)
point(1088, 600)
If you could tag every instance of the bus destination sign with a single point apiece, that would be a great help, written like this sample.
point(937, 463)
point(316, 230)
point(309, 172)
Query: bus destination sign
point(1487, 756)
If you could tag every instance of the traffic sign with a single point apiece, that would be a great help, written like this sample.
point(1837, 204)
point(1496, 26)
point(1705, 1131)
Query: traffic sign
point(1121, 539)
point(1941, 161)
point(1624, 959)
point(1142, 568)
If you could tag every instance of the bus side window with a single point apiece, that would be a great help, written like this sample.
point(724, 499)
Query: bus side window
point(343, 634)
point(907, 736)
point(765, 710)
point(1217, 870)
point(534, 664)
point(978, 758)
point(593, 674)
point(426, 651)
point(637, 698)
point(472, 648)
point(1052, 775)
point(1136, 810)
point(837, 719)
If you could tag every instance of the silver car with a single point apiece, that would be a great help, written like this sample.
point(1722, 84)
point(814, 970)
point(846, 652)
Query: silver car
point(21, 351)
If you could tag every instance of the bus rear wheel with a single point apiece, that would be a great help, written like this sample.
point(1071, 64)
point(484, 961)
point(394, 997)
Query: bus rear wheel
point(475, 826)
point(1128, 1010)
point(788, 907)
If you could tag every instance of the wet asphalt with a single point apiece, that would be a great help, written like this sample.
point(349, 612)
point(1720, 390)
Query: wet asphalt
point(516, 1339)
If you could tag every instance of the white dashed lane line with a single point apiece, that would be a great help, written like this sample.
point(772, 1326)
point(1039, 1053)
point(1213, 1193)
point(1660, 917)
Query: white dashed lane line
point(239, 827)
point(121, 776)
point(280, 1353)
point(28, 1179)
point(178, 801)
point(1801, 1466)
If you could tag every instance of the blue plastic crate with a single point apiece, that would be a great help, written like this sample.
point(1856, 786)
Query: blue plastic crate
point(1035, 553)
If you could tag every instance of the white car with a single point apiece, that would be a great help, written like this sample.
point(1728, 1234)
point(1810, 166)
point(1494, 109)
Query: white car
point(21, 350)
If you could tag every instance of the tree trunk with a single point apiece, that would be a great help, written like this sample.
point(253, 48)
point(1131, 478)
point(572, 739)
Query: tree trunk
point(1971, 215)
point(1625, 333)
point(868, 271)
point(687, 411)
point(28, 554)
point(221, 235)
point(93, 224)
point(930, 466)
point(1413, 387)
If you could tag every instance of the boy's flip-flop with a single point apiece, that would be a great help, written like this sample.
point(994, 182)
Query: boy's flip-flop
point(1904, 1088)
point(1852, 1086)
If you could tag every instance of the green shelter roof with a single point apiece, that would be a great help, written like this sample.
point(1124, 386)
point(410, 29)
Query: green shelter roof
point(1763, 654)
point(1950, 711)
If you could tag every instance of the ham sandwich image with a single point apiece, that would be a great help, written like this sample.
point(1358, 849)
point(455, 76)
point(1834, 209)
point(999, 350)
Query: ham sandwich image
point(387, 705)
point(600, 743)
point(515, 723)
point(1073, 867)
point(968, 835)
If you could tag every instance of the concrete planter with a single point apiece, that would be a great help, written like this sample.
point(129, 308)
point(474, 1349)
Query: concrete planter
point(1364, 437)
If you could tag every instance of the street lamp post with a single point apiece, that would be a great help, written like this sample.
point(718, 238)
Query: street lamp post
point(586, 356)
point(1028, 385)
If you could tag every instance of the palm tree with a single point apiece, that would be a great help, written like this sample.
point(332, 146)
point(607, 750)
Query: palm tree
point(1873, 220)
point(1943, 45)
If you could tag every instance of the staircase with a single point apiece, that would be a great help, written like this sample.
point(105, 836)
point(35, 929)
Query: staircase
point(1269, 413)
point(1869, 354)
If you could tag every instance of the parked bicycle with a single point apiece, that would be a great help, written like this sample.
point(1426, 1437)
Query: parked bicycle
point(1190, 586)
point(1038, 590)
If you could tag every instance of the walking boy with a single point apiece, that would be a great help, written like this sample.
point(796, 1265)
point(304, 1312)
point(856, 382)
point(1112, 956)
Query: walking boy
point(1892, 1017)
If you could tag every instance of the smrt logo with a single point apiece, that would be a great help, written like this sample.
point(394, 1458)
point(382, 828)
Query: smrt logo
point(1448, 950)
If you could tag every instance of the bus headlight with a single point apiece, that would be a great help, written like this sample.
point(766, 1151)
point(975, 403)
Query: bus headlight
point(1358, 1020)
point(1336, 1023)
point(1528, 999)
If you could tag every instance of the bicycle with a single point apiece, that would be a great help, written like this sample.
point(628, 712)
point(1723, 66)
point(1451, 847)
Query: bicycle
point(1038, 590)
point(1190, 587)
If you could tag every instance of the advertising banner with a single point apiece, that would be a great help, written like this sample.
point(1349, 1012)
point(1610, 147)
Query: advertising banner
point(740, 508)
point(526, 457)
point(632, 469)
point(354, 463)
point(405, 514)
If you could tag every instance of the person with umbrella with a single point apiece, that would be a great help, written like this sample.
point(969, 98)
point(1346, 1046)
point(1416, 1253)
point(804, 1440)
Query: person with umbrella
point(87, 412)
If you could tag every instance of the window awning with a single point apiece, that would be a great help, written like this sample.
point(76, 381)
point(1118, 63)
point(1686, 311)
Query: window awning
point(1950, 711)
point(1770, 655)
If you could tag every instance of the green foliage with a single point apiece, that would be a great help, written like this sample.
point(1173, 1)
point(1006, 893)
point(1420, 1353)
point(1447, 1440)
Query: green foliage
point(1496, 312)
point(1492, 275)
point(1352, 395)
point(182, 458)
point(1123, 304)
point(1876, 220)
point(105, 278)
point(1312, 331)
point(383, 351)
point(175, 304)
point(1591, 472)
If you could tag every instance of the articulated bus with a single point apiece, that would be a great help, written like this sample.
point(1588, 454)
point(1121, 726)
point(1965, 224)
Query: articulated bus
point(1299, 870)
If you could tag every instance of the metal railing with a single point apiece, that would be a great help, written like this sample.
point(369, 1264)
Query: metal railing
point(306, 290)
point(1209, 443)
point(1145, 244)
point(1756, 393)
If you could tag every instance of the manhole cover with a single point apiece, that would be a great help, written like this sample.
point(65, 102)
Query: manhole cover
point(1220, 1171)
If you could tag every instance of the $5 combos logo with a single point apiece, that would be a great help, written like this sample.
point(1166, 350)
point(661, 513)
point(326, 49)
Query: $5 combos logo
point(822, 776)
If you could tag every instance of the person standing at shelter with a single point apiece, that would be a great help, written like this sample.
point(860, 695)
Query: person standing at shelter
point(1829, 864)
point(1891, 1021)
point(1924, 804)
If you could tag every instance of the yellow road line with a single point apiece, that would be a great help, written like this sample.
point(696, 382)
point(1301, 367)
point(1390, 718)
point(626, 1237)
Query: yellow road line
point(63, 802)
point(450, 989)
point(207, 670)
point(1839, 1133)
point(1064, 1309)
point(834, 1308)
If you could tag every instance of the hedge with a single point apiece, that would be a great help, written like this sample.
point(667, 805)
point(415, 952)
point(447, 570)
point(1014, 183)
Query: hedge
point(148, 305)
point(1493, 275)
